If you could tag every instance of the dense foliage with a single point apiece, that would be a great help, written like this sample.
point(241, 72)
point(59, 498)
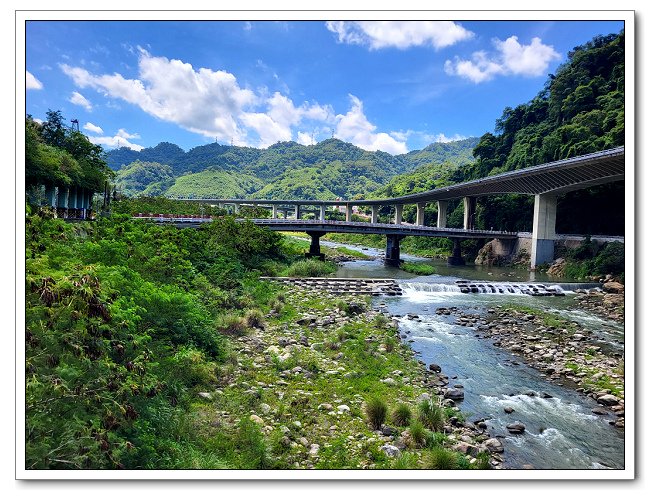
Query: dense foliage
point(287, 170)
point(580, 110)
point(56, 155)
point(122, 327)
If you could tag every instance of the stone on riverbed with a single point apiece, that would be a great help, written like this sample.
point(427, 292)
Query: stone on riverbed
point(516, 428)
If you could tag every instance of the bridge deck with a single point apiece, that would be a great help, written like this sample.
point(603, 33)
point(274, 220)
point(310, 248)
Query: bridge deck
point(330, 226)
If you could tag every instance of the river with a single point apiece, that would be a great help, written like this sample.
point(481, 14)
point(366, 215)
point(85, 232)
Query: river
point(561, 431)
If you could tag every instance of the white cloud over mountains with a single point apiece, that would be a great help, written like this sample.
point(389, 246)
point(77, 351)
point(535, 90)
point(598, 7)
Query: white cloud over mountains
point(213, 104)
point(31, 82)
point(354, 127)
point(511, 58)
point(399, 34)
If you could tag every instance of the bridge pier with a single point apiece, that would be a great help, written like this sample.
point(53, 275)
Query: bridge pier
point(322, 212)
point(297, 212)
point(235, 208)
point(398, 213)
point(314, 247)
point(348, 213)
point(543, 243)
point(456, 258)
point(274, 211)
point(442, 213)
point(375, 213)
point(419, 219)
point(62, 202)
point(469, 205)
point(392, 250)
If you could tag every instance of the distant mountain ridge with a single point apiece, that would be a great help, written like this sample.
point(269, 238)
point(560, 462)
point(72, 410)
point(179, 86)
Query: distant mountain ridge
point(329, 169)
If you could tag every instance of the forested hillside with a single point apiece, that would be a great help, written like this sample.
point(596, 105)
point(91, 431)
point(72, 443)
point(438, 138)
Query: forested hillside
point(329, 169)
point(580, 110)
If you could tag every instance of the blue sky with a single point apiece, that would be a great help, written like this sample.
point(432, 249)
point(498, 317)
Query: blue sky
point(390, 86)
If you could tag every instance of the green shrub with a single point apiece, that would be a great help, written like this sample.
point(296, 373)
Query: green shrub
point(402, 415)
point(310, 268)
point(418, 268)
point(431, 414)
point(376, 410)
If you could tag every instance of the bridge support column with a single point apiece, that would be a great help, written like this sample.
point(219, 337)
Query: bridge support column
point(235, 208)
point(398, 213)
point(62, 201)
point(348, 213)
point(375, 214)
point(469, 219)
point(322, 212)
point(274, 209)
point(392, 250)
point(50, 196)
point(297, 212)
point(419, 219)
point(314, 247)
point(72, 201)
point(456, 258)
point(442, 213)
point(543, 243)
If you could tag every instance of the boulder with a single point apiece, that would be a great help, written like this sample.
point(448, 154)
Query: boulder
point(494, 445)
point(516, 428)
point(435, 368)
point(613, 287)
point(256, 419)
point(390, 450)
point(607, 400)
point(454, 394)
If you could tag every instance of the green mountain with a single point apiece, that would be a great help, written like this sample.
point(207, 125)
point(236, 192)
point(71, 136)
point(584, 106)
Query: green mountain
point(214, 183)
point(330, 169)
point(146, 178)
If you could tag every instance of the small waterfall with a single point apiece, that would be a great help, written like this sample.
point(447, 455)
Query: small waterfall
point(464, 286)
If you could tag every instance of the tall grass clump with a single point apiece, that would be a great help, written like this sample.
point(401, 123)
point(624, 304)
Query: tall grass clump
point(418, 268)
point(440, 459)
point(254, 318)
point(418, 433)
point(376, 410)
point(406, 461)
point(233, 325)
point(402, 415)
point(311, 268)
point(431, 414)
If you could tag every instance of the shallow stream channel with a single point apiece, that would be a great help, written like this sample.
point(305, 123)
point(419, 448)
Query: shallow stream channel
point(561, 431)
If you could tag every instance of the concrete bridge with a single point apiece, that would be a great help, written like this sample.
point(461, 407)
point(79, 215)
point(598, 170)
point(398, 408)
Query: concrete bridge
point(545, 182)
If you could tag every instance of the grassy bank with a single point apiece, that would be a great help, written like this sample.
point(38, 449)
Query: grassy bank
point(159, 348)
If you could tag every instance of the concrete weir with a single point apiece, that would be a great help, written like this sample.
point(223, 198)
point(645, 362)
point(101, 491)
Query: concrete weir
point(362, 286)
point(534, 289)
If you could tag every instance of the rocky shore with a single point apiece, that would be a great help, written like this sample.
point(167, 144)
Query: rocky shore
point(304, 378)
point(564, 352)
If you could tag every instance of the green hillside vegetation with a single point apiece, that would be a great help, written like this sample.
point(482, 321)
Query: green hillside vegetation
point(58, 156)
point(214, 184)
point(329, 169)
point(144, 178)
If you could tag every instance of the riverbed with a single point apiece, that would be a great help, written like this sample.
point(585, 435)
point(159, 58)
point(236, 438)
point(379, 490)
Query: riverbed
point(561, 430)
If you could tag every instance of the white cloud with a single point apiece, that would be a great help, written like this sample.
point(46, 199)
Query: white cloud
point(125, 135)
point(304, 138)
point(202, 101)
point(31, 82)
point(79, 100)
point(39, 121)
point(115, 142)
point(511, 58)
point(443, 138)
point(93, 128)
point(399, 34)
point(354, 127)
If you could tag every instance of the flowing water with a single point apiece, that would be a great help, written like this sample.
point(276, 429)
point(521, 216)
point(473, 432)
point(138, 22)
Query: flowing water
point(561, 431)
